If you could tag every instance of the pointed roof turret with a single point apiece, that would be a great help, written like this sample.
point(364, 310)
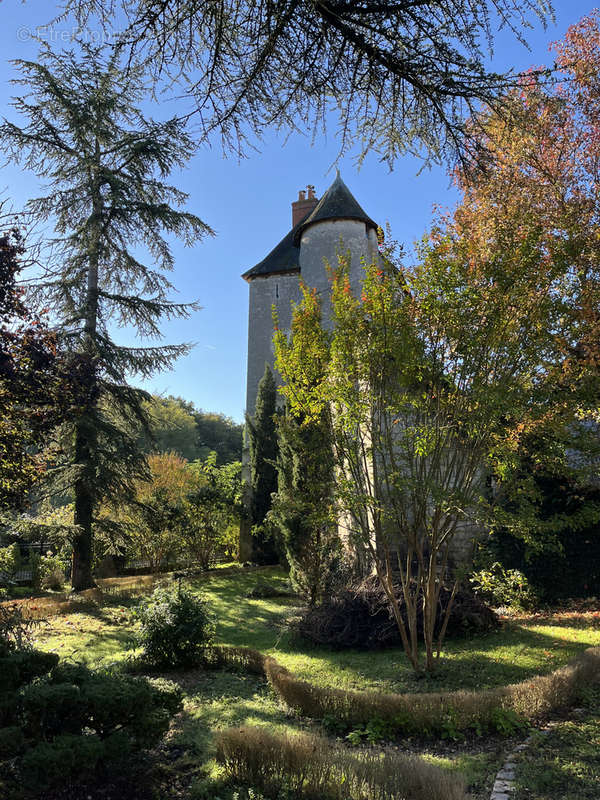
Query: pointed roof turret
point(338, 202)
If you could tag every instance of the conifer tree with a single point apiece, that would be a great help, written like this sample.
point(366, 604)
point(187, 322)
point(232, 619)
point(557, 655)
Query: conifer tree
point(262, 436)
point(104, 165)
point(303, 508)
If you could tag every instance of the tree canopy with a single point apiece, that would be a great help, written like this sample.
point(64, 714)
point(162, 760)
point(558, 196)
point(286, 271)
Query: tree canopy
point(38, 384)
point(401, 76)
point(176, 425)
point(480, 360)
point(105, 166)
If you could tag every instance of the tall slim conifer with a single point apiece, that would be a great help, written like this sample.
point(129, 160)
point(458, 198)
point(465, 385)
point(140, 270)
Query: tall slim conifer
point(104, 164)
point(262, 437)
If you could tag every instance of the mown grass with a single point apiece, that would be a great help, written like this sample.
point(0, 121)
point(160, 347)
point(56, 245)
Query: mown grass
point(101, 634)
point(563, 763)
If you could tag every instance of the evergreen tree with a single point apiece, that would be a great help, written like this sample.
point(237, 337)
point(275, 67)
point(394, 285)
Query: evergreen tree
point(401, 75)
point(262, 437)
point(303, 506)
point(104, 165)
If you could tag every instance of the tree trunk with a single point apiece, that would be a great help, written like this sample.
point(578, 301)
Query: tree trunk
point(81, 570)
point(86, 492)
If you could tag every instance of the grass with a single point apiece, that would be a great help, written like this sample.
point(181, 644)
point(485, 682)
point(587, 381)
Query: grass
point(100, 634)
point(564, 763)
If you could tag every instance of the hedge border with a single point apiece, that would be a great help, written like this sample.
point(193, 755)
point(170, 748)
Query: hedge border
point(430, 713)
point(311, 767)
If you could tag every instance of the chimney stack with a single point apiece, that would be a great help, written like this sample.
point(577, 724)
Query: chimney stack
point(303, 205)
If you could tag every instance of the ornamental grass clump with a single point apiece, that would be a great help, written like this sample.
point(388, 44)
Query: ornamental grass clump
point(312, 768)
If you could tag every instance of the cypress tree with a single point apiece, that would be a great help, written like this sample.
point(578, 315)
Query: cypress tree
point(262, 439)
point(303, 509)
point(104, 164)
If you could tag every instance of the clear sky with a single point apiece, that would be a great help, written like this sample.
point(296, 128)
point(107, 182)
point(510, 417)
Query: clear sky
point(248, 204)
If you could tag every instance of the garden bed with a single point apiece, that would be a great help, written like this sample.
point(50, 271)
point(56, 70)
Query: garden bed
point(218, 699)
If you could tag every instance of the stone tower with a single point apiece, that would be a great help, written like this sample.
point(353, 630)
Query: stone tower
point(320, 229)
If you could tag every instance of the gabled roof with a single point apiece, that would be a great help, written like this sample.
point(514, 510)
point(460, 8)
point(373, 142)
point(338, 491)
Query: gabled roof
point(338, 202)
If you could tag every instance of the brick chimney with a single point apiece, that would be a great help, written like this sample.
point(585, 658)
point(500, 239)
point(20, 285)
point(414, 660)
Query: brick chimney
point(303, 205)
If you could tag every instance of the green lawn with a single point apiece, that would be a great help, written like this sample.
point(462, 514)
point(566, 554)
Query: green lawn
point(564, 763)
point(216, 699)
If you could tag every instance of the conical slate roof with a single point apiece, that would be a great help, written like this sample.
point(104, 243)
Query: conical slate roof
point(338, 202)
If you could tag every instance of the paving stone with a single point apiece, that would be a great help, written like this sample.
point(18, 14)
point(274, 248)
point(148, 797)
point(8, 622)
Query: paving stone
point(503, 786)
point(506, 774)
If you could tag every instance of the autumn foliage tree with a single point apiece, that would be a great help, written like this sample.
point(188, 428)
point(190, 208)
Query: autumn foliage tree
point(152, 520)
point(444, 372)
point(38, 384)
point(542, 180)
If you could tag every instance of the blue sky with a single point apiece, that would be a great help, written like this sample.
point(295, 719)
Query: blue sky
point(248, 204)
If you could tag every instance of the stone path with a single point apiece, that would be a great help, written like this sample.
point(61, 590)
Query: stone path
point(505, 779)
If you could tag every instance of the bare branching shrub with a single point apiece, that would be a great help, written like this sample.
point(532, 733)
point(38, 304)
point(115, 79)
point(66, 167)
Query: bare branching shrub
point(16, 629)
point(310, 767)
point(359, 615)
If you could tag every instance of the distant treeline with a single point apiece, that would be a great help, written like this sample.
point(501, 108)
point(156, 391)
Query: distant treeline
point(178, 426)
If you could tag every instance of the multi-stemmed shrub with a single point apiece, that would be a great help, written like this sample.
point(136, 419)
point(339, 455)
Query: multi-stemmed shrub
point(360, 615)
point(176, 628)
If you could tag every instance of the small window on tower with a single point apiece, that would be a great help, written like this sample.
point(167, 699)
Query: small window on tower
point(277, 291)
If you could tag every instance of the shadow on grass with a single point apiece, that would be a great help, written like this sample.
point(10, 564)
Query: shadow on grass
point(217, 699)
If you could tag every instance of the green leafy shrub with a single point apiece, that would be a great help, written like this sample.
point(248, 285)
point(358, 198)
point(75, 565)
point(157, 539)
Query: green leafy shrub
point(52, 572)
point(10, 563)
point(507, 722)
point(503, 587)
point(176, 628)
point(22, 666)
point(62, 721)
point(11, 741)
point(47, 764)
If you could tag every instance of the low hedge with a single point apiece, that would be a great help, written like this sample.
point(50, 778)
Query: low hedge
point(501, 709)
point(309, 767)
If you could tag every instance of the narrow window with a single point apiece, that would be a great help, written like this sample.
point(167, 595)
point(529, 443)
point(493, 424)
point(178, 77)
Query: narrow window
point(277, 291)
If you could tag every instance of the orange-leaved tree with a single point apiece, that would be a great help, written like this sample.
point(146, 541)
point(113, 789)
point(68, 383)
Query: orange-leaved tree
point(437, 373)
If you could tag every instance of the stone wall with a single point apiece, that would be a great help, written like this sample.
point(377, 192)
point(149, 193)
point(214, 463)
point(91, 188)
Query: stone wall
point(273, 290)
